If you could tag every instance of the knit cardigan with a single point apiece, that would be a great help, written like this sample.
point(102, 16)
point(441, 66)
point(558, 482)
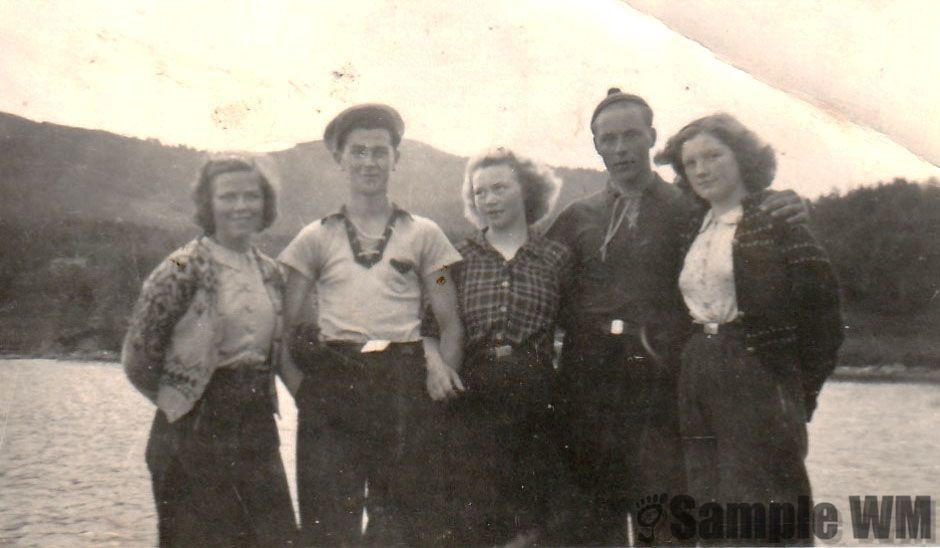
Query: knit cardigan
point(787, 293)
point(171, 347)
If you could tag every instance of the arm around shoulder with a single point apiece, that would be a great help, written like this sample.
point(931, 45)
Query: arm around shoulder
point(786, 205)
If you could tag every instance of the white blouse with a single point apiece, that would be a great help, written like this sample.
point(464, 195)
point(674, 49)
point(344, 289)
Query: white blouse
point(707, 278)
point(246, 313)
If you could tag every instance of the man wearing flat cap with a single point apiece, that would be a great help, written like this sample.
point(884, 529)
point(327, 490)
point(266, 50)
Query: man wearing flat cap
point(623, 327)
point(365, 386)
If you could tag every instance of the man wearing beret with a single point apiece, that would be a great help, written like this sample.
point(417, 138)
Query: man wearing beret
point(365, 386)
point(623, 326)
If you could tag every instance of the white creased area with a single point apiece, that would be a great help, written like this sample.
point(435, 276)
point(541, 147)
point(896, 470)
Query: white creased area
point(465, 76)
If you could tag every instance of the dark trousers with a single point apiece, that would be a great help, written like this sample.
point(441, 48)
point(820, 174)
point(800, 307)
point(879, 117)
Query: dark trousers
point(365, 419)
point(621, 433)
point(744, 428)
point(503, 459)
point(217, 474)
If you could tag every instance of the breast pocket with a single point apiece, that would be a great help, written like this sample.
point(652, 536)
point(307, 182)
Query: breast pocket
point(403, 275)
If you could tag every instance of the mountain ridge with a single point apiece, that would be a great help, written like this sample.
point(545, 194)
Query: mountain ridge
point(50, 172)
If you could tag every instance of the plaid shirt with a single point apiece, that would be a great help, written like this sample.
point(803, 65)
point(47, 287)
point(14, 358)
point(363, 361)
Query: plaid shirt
point(510, 302)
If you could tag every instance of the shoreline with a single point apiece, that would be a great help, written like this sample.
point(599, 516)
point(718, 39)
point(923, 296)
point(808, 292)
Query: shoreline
point(886, 373)
point(892, 373)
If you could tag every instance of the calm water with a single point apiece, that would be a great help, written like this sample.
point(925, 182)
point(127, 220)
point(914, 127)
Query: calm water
point(72, 438)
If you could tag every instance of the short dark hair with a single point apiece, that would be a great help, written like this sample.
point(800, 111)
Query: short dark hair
point(614, 96)
point(202, 190)
point(364, 116)
point(756, 159)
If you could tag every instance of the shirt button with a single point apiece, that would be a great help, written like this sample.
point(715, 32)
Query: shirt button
point(502, 309)
point(505, 283)
point(500, 336)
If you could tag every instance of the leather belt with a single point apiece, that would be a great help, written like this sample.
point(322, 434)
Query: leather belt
point(524, 350)
point(351, 354)
point(716, 328)
point(610, 327)
point(498, 352)
point(245, 374)
point(407, 348)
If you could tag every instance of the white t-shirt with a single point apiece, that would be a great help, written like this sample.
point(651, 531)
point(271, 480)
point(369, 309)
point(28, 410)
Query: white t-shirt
point(360, 303)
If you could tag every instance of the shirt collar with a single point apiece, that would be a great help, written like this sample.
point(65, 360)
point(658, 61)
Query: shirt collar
point(535, 244)
point(478, 239)
point(654, 187)
point(397, 213)
point(228, 257)
point(730, 217)
point(637, 191)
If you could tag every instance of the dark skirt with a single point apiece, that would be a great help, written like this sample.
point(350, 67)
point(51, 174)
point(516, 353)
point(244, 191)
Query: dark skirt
point(743, 425)
point(217, 474)
point(503, 456)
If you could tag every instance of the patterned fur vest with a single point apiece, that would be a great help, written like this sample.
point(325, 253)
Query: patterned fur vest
point(171, 348)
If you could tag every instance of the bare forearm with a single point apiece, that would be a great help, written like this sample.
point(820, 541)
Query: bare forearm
point(295, 298)
point(289, 373)
point(451, 345)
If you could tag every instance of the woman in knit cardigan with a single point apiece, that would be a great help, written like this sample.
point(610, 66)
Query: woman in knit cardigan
point(764, 305)
point(200, 346)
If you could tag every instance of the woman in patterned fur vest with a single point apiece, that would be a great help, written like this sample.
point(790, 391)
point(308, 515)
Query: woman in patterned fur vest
point(201, 347)
point(764, 306)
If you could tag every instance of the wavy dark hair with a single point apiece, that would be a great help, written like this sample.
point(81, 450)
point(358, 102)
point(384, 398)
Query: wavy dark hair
point(756, 159)
point(540, 185)
point(202, 190)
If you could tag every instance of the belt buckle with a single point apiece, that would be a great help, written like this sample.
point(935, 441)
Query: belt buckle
point(616, 327)
point(503, 351)
point(374, 345)
point(710, 328)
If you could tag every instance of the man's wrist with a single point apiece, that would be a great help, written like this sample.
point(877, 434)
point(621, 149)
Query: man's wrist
point(435, 364)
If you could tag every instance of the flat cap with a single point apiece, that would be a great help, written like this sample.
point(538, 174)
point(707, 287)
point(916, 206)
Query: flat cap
point(368, 115)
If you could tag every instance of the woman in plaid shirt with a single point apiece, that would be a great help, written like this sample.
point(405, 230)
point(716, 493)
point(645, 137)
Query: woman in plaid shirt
point(502, 453)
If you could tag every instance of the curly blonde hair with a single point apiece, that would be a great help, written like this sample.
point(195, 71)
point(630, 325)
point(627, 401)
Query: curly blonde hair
point(540, 185)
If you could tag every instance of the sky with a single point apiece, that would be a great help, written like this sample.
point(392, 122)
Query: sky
point(844, 90)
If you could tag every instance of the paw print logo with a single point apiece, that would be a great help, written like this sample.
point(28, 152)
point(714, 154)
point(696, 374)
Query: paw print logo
point(650, 510)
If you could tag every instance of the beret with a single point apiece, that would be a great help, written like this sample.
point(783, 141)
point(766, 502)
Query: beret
point(369, 115)
point(614, 95)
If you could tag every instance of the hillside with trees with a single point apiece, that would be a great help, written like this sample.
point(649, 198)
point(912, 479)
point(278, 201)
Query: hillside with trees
point(884, 242)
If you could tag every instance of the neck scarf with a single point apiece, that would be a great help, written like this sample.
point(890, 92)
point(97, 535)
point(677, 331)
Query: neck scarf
point(363, 257)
